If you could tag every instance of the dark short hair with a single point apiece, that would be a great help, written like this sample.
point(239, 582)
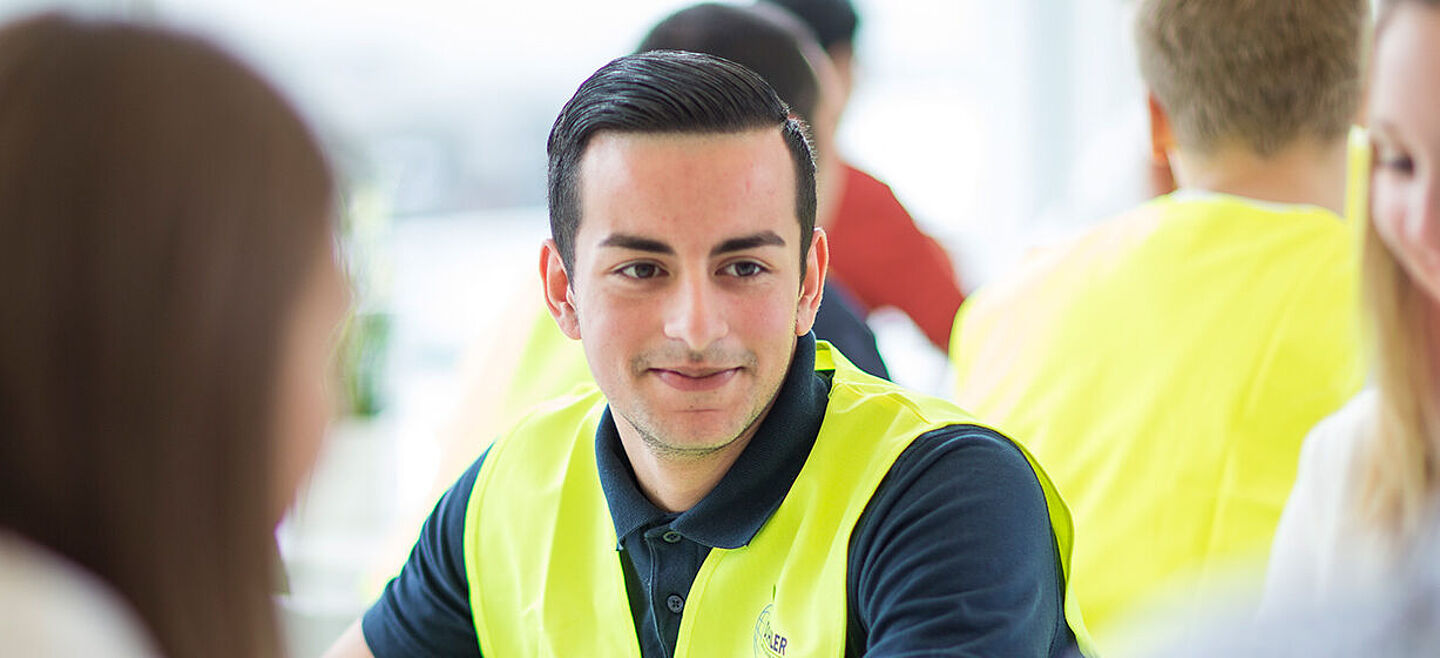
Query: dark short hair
point(834, 22)
point(760, 37)
point(669, 92)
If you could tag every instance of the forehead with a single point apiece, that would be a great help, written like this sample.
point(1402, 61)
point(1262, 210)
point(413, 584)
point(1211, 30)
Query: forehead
point(1406, 85)
point(691, 183)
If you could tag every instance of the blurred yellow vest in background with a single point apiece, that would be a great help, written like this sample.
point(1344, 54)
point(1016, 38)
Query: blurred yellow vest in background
point(1164, 368)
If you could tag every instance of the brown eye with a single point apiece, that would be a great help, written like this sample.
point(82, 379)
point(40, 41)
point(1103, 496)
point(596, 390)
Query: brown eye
point(744, 269)
point(640, 271)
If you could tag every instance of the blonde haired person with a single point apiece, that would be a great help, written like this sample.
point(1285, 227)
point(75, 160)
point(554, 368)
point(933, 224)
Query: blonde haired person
point(1369, 475)
point(1166, 364)
point(168, 299)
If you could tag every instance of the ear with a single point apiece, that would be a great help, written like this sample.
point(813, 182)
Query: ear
point(1162, 137)
point(559, 295)
point(1160, 175)
point(812, 287)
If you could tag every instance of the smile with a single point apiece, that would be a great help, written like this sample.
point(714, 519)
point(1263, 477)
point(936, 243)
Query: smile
point(695, 380)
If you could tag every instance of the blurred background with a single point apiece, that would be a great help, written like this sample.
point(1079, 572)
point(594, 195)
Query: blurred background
point(1000, 126)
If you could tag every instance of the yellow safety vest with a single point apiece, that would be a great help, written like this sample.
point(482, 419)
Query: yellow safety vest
point(1165, 368)
point(540, 547)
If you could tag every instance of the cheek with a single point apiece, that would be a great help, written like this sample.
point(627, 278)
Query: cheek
point(772, 316)
point(1387, 210)
point(612, 332)
point(309, 401)
point(1408, 230)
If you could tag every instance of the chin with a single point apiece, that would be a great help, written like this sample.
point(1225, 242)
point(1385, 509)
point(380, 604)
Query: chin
point(685, 438)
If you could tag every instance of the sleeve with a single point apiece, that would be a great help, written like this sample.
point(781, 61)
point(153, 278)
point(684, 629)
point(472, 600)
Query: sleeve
point(425, 611)
point(954, 555)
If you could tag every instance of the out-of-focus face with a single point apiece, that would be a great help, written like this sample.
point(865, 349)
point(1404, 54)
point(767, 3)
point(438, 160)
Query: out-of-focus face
point(686, 290)
point(1405, 130)
point(308, 384)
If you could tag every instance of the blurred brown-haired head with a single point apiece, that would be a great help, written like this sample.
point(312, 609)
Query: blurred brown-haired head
point(1258, 74)
point(160, 207)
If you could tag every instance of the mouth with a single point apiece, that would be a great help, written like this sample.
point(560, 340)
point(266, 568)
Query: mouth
point(695, 379)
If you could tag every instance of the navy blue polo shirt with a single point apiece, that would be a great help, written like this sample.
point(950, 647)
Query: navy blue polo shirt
point(953, 556)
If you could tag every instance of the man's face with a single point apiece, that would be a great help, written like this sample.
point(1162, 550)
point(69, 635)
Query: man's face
point(686, 290)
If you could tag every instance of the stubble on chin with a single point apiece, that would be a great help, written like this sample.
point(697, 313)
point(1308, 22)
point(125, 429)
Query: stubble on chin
point(668, 448)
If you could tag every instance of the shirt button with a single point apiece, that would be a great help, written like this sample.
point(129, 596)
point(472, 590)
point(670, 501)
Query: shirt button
point(671, 537)
point(675, 603)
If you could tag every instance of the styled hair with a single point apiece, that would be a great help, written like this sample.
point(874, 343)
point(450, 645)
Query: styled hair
point(669, 92)
point(760, 37)
point(834, 22)
point(1400, 464)
point(1259, 74)
point(159, 203)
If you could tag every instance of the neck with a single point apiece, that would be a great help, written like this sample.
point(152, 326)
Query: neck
point(676, 482)
point(1305, 172)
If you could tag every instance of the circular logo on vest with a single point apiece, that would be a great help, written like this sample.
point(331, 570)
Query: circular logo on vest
point(768, 643)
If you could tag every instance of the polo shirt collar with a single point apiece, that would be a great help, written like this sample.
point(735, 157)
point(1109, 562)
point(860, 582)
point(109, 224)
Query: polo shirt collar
point(735, 510)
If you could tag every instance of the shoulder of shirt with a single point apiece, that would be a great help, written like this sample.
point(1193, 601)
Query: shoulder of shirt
point(1097, 244)
point(956, 448)
point(857, 176)
point(50, 607)
point(1332, 446)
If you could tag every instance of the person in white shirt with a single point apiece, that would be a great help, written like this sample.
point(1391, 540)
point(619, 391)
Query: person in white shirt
point(1370, 474)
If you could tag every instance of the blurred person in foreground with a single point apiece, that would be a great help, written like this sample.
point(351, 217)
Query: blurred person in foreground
point(879, 257)
point(168, 298)
point(734, 487)
point(1370, 474)
point(1166, 365)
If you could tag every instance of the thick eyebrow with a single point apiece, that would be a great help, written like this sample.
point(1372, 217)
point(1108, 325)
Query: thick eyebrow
point(761, 239)
point(636, 243)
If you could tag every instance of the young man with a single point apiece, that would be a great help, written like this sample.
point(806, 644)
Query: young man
point(733, 487)
point(1166, 365)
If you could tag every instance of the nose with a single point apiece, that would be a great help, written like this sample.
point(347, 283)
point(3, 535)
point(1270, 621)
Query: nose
point(696, 313)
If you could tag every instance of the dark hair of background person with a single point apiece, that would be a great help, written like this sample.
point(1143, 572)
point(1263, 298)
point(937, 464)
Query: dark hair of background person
point(750, 36)
point(833, 21)
point(669, 92)
point(1255, 74)
point(159, 204)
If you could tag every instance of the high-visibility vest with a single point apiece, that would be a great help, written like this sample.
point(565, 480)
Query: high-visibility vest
point(540, 547)
point(1165, 368)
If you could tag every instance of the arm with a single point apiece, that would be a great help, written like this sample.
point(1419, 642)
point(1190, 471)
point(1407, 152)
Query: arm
point(350, 645)
point(954, 555)
point(424, 611)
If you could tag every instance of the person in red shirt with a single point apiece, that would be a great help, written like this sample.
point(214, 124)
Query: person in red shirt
point(878, 255)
